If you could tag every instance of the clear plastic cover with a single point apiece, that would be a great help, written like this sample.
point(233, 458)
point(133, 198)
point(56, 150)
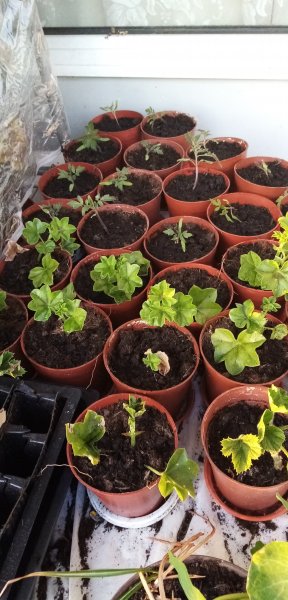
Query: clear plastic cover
point(32, 120)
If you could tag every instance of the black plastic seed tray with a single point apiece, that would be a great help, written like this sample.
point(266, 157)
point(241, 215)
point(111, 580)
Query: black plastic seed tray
point(32, 437)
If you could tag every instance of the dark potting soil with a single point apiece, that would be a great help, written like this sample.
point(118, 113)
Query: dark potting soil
point(12, 321)
point(162, 246)
point(183, 280)
point(253, 220)
point(232, 259)
point(208, 186)
point(59, 188)
point(122, 123)
point(277, 178)
point(273, 355)
point(217, 580)
point(121, 467)
point(123, 229)
point(170, 126)
point(126, 359)
point(242, 418)
point(50, 346)
point(142, 190)
point(74, 216)
point(284, 209)
point(84, 286)
point(105, 151)
point(156, 162)
point(221, 149)
point(14, 277)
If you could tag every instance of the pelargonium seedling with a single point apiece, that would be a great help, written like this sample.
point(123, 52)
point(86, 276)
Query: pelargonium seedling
point(119, 276)
point(240, 352)
point(246, 448)
point(70, 174)
point(179, 475)
point(198, 147)
point(85, 435)
point(224, 208)
point(135, 407)
point(112, 109)
point(153, 116)
point(11, 366)
point(92, 204)
point(268, 274)
point(178, 234)
point(120, 180)
point(151, 149)
point(92, 139)
point(63, 304)
point(156, 361)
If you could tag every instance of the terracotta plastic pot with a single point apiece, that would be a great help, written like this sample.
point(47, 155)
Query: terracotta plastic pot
point(226, 165)
point(172, 398)
point(118, 313)
point(243, 185)
point(15, 346)
point(195, 328)
point(126, 136)
point(159, 264)
point(243, 292)
point(184, 207)
point(90, 373)
point(230, 239)
point(129, 504)
point(161, 172)
point(58, 286)
point(151, 208)
point(221, 564)
point(242, 496)
point(179, 139)
point(284, 205)
point(54, 171)
point(116, 208)
point(106, 166)
point(216, 382)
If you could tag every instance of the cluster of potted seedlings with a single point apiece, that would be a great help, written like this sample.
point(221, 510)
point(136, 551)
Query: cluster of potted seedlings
point(152, 299)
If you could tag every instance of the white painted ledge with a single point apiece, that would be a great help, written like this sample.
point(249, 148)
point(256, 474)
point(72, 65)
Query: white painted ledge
point(199, 56)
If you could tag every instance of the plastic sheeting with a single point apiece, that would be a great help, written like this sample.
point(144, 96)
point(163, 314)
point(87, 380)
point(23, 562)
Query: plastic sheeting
point(32, 120)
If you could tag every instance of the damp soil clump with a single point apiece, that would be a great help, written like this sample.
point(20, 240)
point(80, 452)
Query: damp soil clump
point(170, 125)
point(14, 277)
point(104, 151)
point(122, 228)
point(155, 162)
point(199, 244)
point(143, 189)
point(12, 321)
point(121, 124)
point(246, 220)
point(277, 175)
point(59, 188)
point(209, 185)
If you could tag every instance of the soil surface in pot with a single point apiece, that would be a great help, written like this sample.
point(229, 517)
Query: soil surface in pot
point(242, 418)
point(217, 581)
point(123, 229)
point(155, 162)
point(143, 189)
point(183, 280)
point(277, 178)
point(284, 209)
point(14, 277)
point(222, 149)
point(84, 286)
point(249, 220)
point(59, 188)
point(105, 151)
point(232, 259)
point(74, 216)
point(126, 359)
point(109, 124)
point(12, 321)
point(163, 247)
point(208, 186)
point(170, 126)
point(273, 355)
point(121, 467)
point(50, 346)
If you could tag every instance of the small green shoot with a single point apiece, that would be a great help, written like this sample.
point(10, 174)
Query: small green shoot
point(224, 208)
point(190, 591)
point(119, 276)
point(111, 109)
point(153, 116)
point(178, 234)
point(70, 174)
point(85, 435)
point(179, 475)
point(198, 148)
point(63, 304)
point(281, 198)
point(156, 361)
point(263, 166)
point(3, 303)
point(151, 149)
point(282, 500)
point(120, 180)
point(9, 365)
point(92, 139)
point(135, 409)
point(90, 204)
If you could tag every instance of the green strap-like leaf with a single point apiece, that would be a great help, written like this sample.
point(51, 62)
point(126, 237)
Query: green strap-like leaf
point(190, 591)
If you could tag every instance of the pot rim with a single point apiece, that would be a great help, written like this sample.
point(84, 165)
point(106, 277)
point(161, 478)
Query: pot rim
point(245, 162)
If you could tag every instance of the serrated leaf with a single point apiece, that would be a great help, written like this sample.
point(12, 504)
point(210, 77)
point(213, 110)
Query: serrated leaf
point(249, 269)
point(46, 247)
point(205, 302)
point(278, 399)
point(83, 436)
point(237, 353)
point(274, 276)
point(267, 576)
point(179, 475)
point(270, 436)
point(270, 305)
point(42, 302)
point(244, 315)
point(243, 450)
point(190, 591)
point(75, 320)
point(44, 275)
point(159, 306)
point(184, 309)
point(33, 231)
point(279, 332)
point(10, 366)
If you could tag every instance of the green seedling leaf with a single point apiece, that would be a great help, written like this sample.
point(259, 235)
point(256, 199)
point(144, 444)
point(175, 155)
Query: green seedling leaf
point(151, 149)
point(61, 229)
point(190, 591)
point(118, 277)
point(3, 304)
point(33, 230)
point(269, 305)
point(135, 409)
point(159, 306)
point(184, 309)
point(270, 436)
point(237, 353)
point(245, 316)
point(279, 332)
point(151, 360)
point(10, 366)
point(43, 303)
point(84, 436)
point(45, 247)
point(205, 302)
point(249, 269)
point(60, 303)
point(45, 274)
point(274, 276)
point(70, 174)
point(178, 475)
point(120, 180)
point(267, 576)
point(243, 450)
point(74, 319)
point(178, 234)
point(282, 500)
point(91, 139)
point(223, 207)
point(278, 399)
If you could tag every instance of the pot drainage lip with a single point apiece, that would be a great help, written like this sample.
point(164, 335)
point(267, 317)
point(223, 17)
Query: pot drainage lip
point(210, 483)
point(133, 522)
